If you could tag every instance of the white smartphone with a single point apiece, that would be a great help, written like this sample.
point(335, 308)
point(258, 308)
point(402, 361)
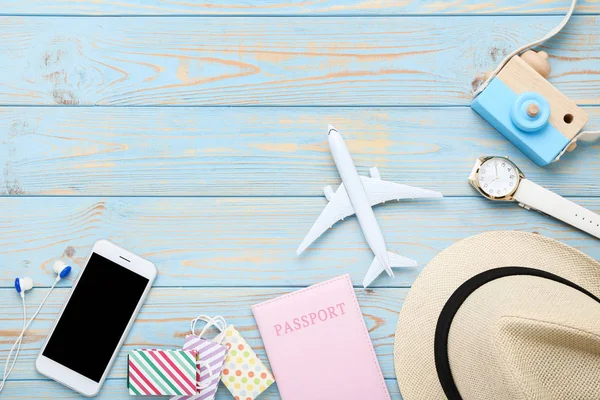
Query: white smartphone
point(95, 320)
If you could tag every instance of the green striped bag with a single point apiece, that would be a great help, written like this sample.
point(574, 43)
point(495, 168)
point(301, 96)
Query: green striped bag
point(152, 372)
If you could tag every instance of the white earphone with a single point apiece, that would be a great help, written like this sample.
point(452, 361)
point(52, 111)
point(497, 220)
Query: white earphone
point(22, 285)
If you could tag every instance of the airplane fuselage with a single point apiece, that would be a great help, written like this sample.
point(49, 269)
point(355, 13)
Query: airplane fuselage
point(358, 197)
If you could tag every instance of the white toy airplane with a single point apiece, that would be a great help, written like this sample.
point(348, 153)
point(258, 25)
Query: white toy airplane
point(357, 195)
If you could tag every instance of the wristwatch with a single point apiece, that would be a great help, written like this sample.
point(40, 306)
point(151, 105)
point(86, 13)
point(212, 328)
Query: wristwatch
point(498, 178)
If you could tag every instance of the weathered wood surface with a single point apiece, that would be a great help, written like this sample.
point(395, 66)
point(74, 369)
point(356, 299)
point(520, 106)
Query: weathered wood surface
point(115, 389)
point(165, 321)
point(292, 7)
point(278, 61)
point(181, 151)
point(249, 241)
point(219, 198)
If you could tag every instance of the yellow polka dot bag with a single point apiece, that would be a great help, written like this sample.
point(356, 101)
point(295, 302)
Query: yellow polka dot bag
point(244, 374)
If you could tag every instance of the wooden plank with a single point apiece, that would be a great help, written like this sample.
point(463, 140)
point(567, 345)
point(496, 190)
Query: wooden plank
point(291, 7)
point(180, 151)
point(115, 389)
point(248, 241)
point(164, 321)
point(278, 61)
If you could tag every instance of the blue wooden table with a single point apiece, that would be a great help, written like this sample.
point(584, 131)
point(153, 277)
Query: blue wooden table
point(194, 134)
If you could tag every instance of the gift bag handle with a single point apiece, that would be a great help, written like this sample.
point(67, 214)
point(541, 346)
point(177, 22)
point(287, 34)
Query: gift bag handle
point(222, 327)
point(210, 373)
point(218, 322)
point(219, 338)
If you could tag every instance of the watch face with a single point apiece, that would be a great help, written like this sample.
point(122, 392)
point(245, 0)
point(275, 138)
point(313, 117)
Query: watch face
point(498, 177)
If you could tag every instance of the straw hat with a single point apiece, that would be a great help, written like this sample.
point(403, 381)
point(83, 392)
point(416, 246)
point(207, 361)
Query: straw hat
point(502, 315)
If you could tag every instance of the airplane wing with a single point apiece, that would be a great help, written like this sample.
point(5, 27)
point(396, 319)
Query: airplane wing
point(380, 191)
point(339, 207)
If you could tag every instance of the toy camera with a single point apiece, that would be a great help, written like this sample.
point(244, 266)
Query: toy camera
point(528, 110)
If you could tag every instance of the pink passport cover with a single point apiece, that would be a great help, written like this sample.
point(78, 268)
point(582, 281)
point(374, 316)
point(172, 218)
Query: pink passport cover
point(318, 344)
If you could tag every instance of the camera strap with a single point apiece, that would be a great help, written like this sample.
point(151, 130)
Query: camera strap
point(586, 136)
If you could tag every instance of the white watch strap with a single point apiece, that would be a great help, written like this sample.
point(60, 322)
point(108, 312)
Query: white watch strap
point(530, 195)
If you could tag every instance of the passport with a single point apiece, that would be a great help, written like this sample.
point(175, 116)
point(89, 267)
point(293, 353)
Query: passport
point(318, 344)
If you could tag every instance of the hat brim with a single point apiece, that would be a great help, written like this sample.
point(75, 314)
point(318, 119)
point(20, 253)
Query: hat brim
point(414, 360)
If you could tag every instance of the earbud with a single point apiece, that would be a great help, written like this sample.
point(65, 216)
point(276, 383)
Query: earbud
point(23, 284)
point(61, 269)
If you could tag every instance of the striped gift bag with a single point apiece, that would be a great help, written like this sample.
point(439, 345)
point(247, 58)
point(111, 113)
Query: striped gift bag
point(154, 372)
point(211, 356)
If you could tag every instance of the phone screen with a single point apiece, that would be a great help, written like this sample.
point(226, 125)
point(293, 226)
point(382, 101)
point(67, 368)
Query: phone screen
point(91, 326)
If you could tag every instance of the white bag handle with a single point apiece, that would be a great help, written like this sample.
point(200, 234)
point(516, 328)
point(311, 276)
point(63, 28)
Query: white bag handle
point(218, 322)
point(210, 373)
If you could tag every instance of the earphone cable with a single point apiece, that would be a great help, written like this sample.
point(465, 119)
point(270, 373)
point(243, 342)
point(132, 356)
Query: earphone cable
point(19, 340)
point(8, 371)
point(43, 302)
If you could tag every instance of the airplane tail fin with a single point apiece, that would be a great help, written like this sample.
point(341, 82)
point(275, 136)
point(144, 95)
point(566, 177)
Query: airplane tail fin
point(396, 261)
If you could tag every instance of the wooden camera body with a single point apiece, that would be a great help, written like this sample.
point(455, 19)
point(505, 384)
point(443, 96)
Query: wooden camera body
point(528, 110)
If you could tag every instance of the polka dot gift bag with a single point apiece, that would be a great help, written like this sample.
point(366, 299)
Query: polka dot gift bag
point(244, 374)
